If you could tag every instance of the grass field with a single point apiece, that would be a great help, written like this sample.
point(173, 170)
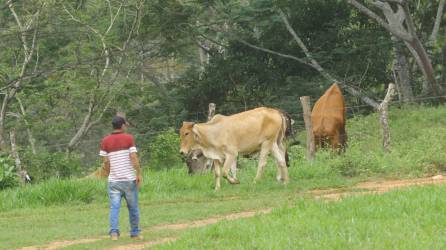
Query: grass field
point(78, 208)
point(410, 219)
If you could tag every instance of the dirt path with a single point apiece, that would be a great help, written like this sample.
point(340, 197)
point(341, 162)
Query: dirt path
point(369, 187)
point(176, 226)
point(375, 187)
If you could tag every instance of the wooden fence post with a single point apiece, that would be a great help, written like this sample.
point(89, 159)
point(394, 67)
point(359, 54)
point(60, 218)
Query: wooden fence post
point(210, 163)
point(383, 116)
point(305, 101)
point(211, 111)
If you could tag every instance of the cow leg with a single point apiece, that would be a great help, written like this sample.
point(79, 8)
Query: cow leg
point(316, 142)
point(264, 151)
point(334, 141)
point(229, 162)
point(343, 139)
point(282, 170)
point(234, 169)
point(217, 174)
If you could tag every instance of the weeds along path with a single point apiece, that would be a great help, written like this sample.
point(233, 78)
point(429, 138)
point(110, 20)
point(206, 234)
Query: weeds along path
point(334, 194)
point(373, 187)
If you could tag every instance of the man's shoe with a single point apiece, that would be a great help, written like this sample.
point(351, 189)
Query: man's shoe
point(137, 237)
point(114, 236)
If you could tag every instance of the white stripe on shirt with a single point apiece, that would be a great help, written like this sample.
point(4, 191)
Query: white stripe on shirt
point(121, 168)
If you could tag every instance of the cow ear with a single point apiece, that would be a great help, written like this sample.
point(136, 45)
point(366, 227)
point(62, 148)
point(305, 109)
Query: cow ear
point(188, 123)
point(196, 133)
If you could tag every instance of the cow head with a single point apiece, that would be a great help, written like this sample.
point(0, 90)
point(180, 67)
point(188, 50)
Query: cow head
point(187, 139)
point(197, 163)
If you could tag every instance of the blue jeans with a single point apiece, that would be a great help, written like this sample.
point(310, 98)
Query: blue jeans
point(128, 190)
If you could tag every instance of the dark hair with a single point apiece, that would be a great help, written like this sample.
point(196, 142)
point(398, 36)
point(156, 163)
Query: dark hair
point(118, 121)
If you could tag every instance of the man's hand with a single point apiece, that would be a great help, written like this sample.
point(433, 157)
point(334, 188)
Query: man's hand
point(135, 162)
point(139, 180)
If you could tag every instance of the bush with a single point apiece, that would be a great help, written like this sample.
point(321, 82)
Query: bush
point(164, 150)
point(45, 165)
point(8, 177)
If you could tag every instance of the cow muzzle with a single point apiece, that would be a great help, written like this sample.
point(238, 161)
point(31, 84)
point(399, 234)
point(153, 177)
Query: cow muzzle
point(184, 153)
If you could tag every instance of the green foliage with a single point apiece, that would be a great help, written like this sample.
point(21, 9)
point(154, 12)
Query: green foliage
point(164, 150)
point(8, 176)
point(242, 77)
point(46, 165)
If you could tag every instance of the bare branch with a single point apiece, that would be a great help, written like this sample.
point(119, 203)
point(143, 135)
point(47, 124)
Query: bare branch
point(101, 37)
point(81, 22)
point(314, 64)
point(274, 52)
point(400, 34)
point(31, 139)
point(113, 19)
point(437, 23)
point(21, 28)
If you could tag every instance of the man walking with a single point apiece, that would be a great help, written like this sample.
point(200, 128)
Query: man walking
point(121, 164)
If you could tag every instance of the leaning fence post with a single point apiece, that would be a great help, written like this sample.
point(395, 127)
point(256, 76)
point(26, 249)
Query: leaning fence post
point(211, 111)
point(305, 101)
point(383, 116)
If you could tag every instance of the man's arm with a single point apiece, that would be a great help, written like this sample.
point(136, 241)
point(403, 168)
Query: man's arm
point(105, 166)
point(137, 167)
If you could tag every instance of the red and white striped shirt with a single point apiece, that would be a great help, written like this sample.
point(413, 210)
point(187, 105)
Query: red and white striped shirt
point(117, 147)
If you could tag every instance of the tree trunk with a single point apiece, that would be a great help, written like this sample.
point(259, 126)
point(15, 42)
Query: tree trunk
point(431, 85)
point(402, 72)
point(2, 122)
point(28, 129)
point(400, 24)
point(305, 101)
point(82, 129)
point(15, 155)
point(443, 51)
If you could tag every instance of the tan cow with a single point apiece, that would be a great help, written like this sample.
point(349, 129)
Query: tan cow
point(328, 119)
point(225, 137)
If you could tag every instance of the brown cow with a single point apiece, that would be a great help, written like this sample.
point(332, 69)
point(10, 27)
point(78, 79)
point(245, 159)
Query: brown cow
point(223, 138)
point(328, 119)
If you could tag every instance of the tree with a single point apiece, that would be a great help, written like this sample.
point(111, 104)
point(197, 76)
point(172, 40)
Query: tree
point(27, 26)
point(399, 22)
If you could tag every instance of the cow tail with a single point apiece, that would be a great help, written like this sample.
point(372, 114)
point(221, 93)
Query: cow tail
point(285, 132)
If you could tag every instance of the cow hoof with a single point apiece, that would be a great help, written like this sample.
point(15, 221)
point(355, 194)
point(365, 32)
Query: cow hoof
point(235, 181)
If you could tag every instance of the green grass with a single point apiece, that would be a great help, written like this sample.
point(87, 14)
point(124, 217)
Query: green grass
point(410, 219)
point(78, 208)
point(43, 225)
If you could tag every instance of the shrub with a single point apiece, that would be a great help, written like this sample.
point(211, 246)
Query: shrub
point(45, 165)
point(164, 150)
point(8, 177)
